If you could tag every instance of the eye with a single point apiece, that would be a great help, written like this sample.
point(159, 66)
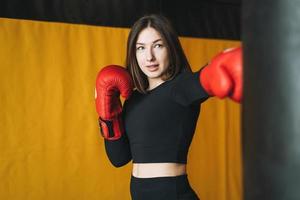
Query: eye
point(158, 45)
point(139, 48)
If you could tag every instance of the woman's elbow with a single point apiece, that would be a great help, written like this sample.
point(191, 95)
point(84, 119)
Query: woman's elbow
point(120, 163)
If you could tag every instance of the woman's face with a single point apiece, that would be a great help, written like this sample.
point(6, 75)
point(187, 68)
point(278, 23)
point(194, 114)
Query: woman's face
point(151, 54)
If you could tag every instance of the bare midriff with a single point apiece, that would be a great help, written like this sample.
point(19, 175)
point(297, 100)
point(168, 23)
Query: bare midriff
point(152, 170)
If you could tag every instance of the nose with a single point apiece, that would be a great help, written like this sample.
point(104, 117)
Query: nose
point(150, 55)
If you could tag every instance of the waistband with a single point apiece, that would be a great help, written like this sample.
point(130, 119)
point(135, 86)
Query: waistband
point(180, 178)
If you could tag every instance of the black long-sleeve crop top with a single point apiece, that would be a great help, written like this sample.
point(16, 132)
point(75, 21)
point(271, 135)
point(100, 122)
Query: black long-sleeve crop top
point(159, 125)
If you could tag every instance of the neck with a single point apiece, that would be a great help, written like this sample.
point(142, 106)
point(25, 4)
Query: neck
point(154, 83)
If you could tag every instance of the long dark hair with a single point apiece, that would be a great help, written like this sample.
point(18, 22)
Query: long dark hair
point(177, 59)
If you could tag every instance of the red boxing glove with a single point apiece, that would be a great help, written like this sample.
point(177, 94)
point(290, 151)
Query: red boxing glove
point(222, 77)
point(112, 81)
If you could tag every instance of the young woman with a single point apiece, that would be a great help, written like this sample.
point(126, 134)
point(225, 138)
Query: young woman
point(157, 123)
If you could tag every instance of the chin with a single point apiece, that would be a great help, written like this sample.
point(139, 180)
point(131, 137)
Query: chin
point(153, 76)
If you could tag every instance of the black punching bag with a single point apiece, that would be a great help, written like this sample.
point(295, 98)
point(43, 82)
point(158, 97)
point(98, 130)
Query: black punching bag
point(271, 105)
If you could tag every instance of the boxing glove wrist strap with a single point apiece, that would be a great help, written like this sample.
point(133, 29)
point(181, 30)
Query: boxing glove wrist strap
point(111, 129)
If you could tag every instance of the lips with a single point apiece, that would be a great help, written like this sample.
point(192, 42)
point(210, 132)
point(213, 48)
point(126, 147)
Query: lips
point(152, 68)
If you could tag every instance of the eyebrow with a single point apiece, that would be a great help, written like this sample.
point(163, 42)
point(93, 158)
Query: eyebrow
point(140, 43)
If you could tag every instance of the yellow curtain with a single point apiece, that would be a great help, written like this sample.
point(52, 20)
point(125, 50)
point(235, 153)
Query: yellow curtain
point(50, 146)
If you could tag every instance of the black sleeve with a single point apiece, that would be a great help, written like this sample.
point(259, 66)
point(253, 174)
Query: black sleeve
point(188, 90)
point(118, 151)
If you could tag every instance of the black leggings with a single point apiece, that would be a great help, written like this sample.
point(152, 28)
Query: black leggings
point(162, 188)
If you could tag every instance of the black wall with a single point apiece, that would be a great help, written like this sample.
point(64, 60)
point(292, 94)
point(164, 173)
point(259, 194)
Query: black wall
point(194, 18)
